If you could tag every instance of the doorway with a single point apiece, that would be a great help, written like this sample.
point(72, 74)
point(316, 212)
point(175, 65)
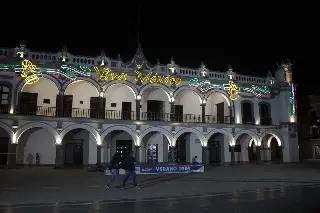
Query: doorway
point(247, 113)
point(28, 103)
point(220, 112)
point(4, 149)
point(275, 151)
point(264, 114)
point(126, 110)
point(252, 152)
point(73, 153)
point(97, 107)
point(178, 110)
point(67, 105)
point(214, 149)
point(155, 110)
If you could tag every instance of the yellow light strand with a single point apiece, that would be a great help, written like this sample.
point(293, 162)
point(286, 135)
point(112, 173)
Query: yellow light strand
point(28, 72)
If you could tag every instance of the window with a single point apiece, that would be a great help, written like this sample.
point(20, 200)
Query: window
point(4, 91)
point(4, 99)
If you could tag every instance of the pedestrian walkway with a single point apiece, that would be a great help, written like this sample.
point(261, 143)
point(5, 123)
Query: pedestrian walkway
point(35, 185)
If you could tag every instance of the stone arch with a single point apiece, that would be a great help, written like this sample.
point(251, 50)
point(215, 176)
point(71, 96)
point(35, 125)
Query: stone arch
point(191, 130)
point(156, 129)
point(221, 131)
point(223, 93)
point(87, 127)
point(21, 84)
point(130, 85)
point(248, 132)
point(89, 80)
point(164, 88)
point(43, 125)
point(186, 87)
point(121, 128)
point(274, 134)
point(8, 129)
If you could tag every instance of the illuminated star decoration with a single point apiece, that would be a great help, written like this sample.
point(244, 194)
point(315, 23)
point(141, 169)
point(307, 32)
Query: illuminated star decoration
point(232, 90)
point(29, 72)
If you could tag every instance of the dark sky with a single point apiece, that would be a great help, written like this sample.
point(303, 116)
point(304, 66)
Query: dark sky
point(251, 37)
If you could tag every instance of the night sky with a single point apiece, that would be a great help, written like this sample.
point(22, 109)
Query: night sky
point(250, 37)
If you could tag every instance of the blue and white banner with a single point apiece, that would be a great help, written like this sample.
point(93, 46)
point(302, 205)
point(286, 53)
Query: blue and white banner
point(169, 168)
point(163, 168)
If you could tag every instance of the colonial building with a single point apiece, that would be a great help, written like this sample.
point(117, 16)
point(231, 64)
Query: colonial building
point(80, 110)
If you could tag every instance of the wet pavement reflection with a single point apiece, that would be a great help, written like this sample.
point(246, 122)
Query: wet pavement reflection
point(298, 199)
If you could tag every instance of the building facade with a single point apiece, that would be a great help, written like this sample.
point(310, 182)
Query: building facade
point(79, 110)
point(309, 129)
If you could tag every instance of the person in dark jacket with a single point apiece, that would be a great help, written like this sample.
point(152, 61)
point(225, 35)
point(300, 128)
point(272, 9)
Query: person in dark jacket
point(114, 169)
point(129, 165)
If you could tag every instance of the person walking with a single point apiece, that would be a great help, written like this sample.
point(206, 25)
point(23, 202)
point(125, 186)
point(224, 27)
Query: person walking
point(114, 169)
point(130, 170)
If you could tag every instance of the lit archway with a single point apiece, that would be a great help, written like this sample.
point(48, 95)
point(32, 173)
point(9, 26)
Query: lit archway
point(39, 98)
point(218, 142)
point(155, 102)
point(218, 108)
point(188, 144)
point(246, 143)
point(120, 101)
point(36, 145)
point(187, 106)
point(155, 144)
point(80, 93)
point(272, 146)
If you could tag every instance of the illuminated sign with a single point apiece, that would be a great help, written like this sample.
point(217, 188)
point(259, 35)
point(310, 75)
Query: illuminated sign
point(156, 78)
point(232, 90)
point(107, 74)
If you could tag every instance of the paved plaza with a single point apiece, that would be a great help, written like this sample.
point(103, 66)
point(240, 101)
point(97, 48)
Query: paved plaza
point(28, 186)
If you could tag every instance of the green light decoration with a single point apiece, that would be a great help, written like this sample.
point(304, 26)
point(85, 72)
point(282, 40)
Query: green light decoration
point(205, 86)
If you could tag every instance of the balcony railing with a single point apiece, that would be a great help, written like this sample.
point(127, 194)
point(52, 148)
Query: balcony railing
point(130, 115)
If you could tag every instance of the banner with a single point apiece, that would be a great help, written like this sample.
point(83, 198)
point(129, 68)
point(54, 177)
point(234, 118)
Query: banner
point(163, 168)
point(169, 168)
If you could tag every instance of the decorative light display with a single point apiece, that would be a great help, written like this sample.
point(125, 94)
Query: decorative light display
point(231, 88)
point(258, 91)
point(204, 85)
point(292, 99)
point(156, 78)
point(28, 73)
point(107, 74)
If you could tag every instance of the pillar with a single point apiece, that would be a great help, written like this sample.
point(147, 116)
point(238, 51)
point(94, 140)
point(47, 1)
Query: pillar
point(233, 157)
point(138, 109)
point(172, 112)
point(281, 153)
point(137, 153)
point(99, 154)
point(173, 153)
point(205, 155)
point(12, 155)
point(203, 113)
point(59, 106)
point(59, 155)
point(258, 149)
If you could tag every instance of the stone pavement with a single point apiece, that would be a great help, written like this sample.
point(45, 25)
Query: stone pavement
point(44, 185)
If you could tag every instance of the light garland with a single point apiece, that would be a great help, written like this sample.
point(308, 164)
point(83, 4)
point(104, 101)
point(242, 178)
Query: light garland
point(292, 99)
point(105, 74)
point(231, 88)
point(258, 91)
point(29, 72)
point(156, 78)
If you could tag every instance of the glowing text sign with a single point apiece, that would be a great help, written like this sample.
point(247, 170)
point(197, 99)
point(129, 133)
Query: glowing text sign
point(29, 72)
point(107, 74)
point(156, 78)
